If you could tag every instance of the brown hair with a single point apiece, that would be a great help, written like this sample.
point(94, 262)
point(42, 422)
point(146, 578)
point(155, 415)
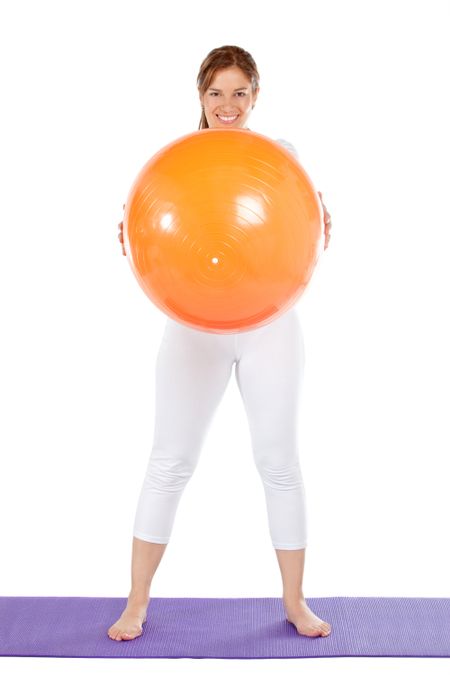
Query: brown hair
point(225, 57)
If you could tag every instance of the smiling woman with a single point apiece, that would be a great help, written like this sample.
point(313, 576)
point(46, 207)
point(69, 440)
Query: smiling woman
point(192, 374)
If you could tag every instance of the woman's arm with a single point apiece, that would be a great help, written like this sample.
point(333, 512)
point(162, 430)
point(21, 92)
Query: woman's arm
point(326, 216)
point(327, 222)
point(120, 235)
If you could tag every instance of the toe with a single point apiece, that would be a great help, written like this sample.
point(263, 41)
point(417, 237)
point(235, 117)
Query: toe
point(319, 630)
point(311, 631)
point(315, 633)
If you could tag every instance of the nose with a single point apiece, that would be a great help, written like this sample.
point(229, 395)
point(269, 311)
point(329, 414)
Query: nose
point(228, 108)
point(227, 104)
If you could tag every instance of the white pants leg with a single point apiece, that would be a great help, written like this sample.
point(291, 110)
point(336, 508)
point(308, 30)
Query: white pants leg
point(269, 372)
point(192, 372)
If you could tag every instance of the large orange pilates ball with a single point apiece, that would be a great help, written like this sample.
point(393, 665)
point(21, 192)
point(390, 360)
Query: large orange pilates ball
point(223, 229)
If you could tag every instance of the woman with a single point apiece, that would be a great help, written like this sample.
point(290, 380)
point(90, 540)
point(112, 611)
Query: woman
point(192, 372)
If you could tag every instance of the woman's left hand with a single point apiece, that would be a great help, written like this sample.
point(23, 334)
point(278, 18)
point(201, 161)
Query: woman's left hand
point(327, 222)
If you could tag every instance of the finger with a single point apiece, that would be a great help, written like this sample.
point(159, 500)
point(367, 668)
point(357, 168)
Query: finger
point(325, 210)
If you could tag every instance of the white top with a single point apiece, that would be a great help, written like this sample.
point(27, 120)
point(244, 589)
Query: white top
point(286, 144)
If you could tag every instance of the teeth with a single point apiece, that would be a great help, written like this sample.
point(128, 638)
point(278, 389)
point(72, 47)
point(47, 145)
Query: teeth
point(227, 119)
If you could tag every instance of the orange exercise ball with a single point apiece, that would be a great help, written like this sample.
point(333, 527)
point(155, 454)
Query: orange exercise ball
point(223, 229)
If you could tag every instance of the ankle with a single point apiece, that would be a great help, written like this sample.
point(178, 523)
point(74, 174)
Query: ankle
point(293, 598)
point(136, 597)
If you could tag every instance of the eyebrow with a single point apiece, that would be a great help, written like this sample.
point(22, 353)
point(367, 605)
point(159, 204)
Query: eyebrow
point(238, 89)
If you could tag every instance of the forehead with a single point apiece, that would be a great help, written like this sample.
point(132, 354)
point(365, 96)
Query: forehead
point(229, 78)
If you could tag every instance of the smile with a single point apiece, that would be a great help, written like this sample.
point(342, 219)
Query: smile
point(227, 119)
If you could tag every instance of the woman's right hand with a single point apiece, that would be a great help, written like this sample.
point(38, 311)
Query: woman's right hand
point(120, 235)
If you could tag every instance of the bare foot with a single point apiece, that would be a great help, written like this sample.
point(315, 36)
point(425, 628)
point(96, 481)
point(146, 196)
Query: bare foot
point(305, 621)
point(129, 625)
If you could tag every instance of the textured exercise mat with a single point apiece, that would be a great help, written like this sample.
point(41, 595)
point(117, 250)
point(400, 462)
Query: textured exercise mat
point(225, 628)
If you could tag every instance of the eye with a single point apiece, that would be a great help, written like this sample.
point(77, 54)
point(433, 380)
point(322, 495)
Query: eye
point(213, 93)
point(241, 93)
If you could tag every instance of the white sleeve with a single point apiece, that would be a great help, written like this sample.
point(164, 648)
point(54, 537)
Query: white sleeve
point(286, 144)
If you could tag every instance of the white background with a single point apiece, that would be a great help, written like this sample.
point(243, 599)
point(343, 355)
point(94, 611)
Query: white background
point(91, 90)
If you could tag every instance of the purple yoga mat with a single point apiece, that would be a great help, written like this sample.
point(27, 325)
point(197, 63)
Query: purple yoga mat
point(225, 628)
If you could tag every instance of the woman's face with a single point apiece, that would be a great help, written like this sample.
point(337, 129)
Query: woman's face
point(229, 99)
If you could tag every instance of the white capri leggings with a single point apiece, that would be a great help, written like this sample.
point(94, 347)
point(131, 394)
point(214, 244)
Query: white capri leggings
point(193, 369)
